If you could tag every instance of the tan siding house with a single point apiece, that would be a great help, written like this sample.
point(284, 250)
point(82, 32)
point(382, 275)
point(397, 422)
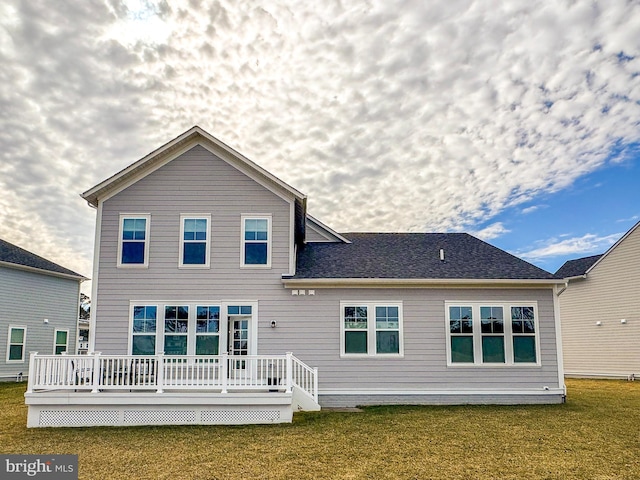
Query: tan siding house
point(600, 311)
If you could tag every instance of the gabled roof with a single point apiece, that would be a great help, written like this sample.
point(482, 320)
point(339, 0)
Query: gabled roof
point(194, 136)
point(577, 267)
point(413, 256)
point(13, 256)
point(324, 231)
point(582, 266)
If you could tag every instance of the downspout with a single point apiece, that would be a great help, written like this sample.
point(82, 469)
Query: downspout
point(94, 282)
point(560, 356)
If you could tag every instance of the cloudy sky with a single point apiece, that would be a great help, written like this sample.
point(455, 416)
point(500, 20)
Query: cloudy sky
point(517, 121)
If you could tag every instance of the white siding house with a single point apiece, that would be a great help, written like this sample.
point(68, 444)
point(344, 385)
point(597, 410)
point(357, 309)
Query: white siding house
point(217, 299)
point(600, 311)
point(39, 303)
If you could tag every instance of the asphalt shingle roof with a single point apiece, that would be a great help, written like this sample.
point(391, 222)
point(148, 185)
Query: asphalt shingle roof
point(577, 267)
point(10, 253)
point(412, 256)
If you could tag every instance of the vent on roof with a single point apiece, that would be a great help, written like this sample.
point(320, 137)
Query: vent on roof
point(442, 254)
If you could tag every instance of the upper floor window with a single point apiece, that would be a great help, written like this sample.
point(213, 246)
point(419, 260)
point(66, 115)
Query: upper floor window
point(492, 334)
point(133, 245)
point(371, 328)
point(194, 240)
point(256, 241)
point(15, 343)
point(60, 341)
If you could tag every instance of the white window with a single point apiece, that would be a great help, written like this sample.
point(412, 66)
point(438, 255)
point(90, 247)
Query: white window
point(492, 333)
point(176, 329)
point(193, 328)
point(16, 343)
point(194, 241)
point(143, 336)
point(255, 248)
point(133, 241)
point(371, 329)
point(208, 330)
point(60, 341)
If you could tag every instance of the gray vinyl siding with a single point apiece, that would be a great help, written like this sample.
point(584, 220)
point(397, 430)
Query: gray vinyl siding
point(610, 292)
point(26, 299)
point(312, 236)
point(309, 326)
point(196, 182)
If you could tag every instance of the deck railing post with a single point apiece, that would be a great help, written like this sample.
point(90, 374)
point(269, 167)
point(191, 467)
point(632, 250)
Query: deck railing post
point(95, 381)
point(160, 372)
point(224, 372)
point(315, 384)
point(32, 368)
point(289, 372)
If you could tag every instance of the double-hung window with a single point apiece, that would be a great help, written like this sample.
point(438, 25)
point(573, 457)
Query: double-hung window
point(207, 330)
point(60, 341)
point(15, 343)
point(133, 244)
point(143, 340)
point(256, 241)
point(194, 240)
point(371, 328)
point(176, 329)
point(492, 333)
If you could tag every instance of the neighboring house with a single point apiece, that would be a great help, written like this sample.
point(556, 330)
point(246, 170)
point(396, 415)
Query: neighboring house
point(208, 270)
point(83, 336)
point(600, 311)
point(38, 309)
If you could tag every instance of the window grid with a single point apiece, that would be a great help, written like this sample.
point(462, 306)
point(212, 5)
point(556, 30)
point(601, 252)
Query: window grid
point(60, 341)
point(371, 329)
point(194, 241)
point(487, 338)
point(176, 329)
point(133, 245)
point(15, 343)
point(207, 330)
point(143, 338)
point(256, 241)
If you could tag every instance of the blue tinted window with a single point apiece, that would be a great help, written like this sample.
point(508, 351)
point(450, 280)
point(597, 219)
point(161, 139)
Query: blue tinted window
point(255, 253)
point(133, 240)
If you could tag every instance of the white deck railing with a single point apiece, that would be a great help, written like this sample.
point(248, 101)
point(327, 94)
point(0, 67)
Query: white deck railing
point(224, 373)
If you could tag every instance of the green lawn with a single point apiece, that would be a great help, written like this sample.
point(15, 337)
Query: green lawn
point(595, 435)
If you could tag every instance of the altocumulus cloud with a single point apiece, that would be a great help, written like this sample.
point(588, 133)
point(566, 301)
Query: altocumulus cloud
point(392, 116)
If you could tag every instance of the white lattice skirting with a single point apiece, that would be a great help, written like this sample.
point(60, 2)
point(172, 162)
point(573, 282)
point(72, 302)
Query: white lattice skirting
point(58, 414)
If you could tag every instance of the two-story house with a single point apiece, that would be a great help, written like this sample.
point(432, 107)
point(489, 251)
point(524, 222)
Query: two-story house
point(39, 302)
point(210, 278)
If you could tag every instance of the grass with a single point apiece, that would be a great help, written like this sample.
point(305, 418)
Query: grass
point(595, 435)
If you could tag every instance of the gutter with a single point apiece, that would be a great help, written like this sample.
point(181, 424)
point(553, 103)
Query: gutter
point(289, 282)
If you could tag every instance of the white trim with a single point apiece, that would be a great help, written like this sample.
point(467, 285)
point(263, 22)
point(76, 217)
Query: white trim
point(176, 147)
point(507, 334)
point(292, 239)
point(24, 343)
point(558, 325)
point(371, 328)
point(94, 282)
point(605, 254)
point(223, 340)
point(42, 271)
point(157, 343)
point(417, 283)
point(55, 340)
point(207, 256)
point(147, 239)
point(458, 392)
point(324, 231)
point(257, 216)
